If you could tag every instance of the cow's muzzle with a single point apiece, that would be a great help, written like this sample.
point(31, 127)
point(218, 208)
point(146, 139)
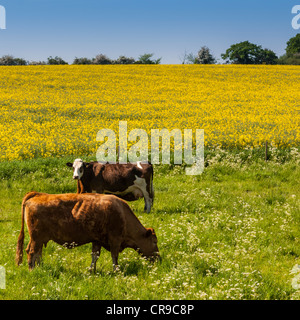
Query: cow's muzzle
point(155, 257)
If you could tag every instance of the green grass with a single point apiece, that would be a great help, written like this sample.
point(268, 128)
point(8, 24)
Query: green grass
point(230, 233)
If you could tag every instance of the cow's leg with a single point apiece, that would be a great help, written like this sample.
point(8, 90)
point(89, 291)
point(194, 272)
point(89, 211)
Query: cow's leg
point(141, 184)
point(115, 261)
point(34, 251)
point(114, 255)
point(39, 256)
point(96, 250)
point(148, 203)
point(149, 194)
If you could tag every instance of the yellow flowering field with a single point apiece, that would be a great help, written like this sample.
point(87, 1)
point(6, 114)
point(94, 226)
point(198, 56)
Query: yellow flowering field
point(58, 110)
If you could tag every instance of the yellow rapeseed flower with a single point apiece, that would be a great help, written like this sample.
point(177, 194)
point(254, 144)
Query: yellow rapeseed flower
point(58, 110)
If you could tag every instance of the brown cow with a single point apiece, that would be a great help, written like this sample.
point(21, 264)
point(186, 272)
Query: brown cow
point(127, 181)
point(77, 219)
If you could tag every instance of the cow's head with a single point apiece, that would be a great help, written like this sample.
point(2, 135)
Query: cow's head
point(150, 249)
point(78, 168)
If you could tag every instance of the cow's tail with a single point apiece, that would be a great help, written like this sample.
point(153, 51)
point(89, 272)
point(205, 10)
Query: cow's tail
point(20, 245)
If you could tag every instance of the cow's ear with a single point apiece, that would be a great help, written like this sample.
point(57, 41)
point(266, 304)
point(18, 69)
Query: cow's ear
point(86, 164)
point(148, 233)
point(69, 164)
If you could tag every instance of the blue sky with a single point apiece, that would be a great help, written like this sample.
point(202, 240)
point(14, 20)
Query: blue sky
point(37, 29)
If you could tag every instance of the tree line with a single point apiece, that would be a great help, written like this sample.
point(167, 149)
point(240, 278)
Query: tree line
point(240, 53)
point(146, 58)
point(248, 53)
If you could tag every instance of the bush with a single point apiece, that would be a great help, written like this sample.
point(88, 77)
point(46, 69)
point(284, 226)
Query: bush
point(124, 60)
point(8, 60)
point(146, 59)
point(82, 61)
point(102, 59)
point(37, 63)
point(293, 59)
point(57, 60)
point(292, 50)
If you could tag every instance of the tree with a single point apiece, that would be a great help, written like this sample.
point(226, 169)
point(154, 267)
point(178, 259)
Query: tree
point(82, 61)
point(102, 59)
point(146, 59)
point(190, 58)
point(249, 53)
point(9, 60)
point(37, 63)
point(204, 56)
point(293, 45)
point(187, 58)
point(20, 62)
point(292, 55)
point(290, 60)
point(242, 53)
point(56, 60)
point(268, 57)
point(124, 60)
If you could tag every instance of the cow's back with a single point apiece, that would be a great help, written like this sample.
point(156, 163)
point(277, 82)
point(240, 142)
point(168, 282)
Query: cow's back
point(119, 176)
point(75, 218)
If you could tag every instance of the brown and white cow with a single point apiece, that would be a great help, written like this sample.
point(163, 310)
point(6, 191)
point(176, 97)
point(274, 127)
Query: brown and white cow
point(77, 219)
point(127, 181)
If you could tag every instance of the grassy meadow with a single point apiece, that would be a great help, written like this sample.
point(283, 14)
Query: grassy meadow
point(230, 233)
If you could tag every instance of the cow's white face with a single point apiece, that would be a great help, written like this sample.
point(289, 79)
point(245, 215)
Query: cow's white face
point(78, 168)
